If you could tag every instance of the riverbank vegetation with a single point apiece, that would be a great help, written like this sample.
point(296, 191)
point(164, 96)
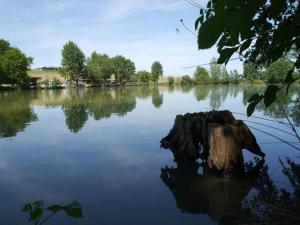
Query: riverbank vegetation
point(101, 69)
point(13, 66)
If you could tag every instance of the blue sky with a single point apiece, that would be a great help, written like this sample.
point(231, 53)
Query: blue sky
point(141, 30)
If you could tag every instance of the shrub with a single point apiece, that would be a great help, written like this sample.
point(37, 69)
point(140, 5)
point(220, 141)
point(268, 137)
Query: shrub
point(171, 80)
point(186, 80)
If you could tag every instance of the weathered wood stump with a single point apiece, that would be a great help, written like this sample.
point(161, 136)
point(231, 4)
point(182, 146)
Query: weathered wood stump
point(216, 137)
point(225, 150)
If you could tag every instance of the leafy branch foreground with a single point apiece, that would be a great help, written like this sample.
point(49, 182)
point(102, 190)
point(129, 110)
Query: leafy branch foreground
point(260, 32)
point(40, 214)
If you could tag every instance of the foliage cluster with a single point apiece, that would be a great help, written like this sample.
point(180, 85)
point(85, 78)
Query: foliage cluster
point(13, 65)
point(273, 74)
point(100, 67)
point(73, 62)
point(156, 70)
point(37, 211)
point(217, 74)
point(260, 32)
point(146, 77)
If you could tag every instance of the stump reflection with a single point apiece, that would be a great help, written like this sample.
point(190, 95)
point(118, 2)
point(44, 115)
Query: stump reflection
point(253, 199)
point(221, 198)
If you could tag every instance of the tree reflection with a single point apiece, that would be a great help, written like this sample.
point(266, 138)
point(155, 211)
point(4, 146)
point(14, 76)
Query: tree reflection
point(201, 92)
point(217, 96)
point(157, 98)
point(80, 104)
point(103, 103)
point(283, 102)
point(76, 116)
point(108, 102)
point(15, 112)
point(185, 88)
point(97, 104)
point(276, 205)
point(77, 105)
point(254, 199)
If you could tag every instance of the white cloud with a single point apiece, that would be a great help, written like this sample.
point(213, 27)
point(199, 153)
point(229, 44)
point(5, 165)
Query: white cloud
point(118, 9)
point(60, 5)
point(113, 27)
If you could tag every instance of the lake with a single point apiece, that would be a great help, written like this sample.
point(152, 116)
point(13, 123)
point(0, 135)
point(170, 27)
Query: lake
point(101, 147)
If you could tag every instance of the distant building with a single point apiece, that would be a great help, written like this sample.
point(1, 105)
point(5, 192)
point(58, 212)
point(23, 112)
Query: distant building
point(34, 81)
point(112, 79)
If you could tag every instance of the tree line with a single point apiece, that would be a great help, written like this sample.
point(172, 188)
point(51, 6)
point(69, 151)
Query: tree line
point(218, 74)
point(272, 74)
point(100, 67)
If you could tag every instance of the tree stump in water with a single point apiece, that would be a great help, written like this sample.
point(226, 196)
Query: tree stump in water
point(216, 137)
point(225, 149)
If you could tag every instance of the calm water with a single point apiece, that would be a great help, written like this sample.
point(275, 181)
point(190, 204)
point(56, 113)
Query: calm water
point(101, 147)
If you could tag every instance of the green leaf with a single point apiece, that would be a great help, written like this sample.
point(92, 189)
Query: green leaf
point(38, 203)
point(233, 39)
point(197, 23)
point(255, 98)
point(221, 43)
point(270, 94)
point(297, 17)
point(277, 7)
point(210, 31)
point(36, 213)
point(226, 54)
point(245, 45)
point(289, 77)
point(27, 208)
point(289, 80)
point(73, 209)
point(208, 4)
point(55, 208)
point(251, 108)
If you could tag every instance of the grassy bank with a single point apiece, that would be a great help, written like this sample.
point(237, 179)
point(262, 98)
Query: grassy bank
point(46, 74)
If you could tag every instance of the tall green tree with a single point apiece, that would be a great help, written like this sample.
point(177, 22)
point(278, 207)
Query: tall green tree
point(4, 46)
point(224, 75)
point(250, 71)
point(234, 77)
point(123, 68)
point(99, 67)
point(186, 80)
point(215, 71)
point(276, 69)
point(13, 65)
point(156, 70)
point(261, 32)
point(201, 75)
point(144, 76)
point(73, 62)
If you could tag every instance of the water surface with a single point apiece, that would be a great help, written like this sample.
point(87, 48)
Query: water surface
point(101, 148)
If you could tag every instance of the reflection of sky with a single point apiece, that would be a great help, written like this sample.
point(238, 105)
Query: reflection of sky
point(112, 166)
